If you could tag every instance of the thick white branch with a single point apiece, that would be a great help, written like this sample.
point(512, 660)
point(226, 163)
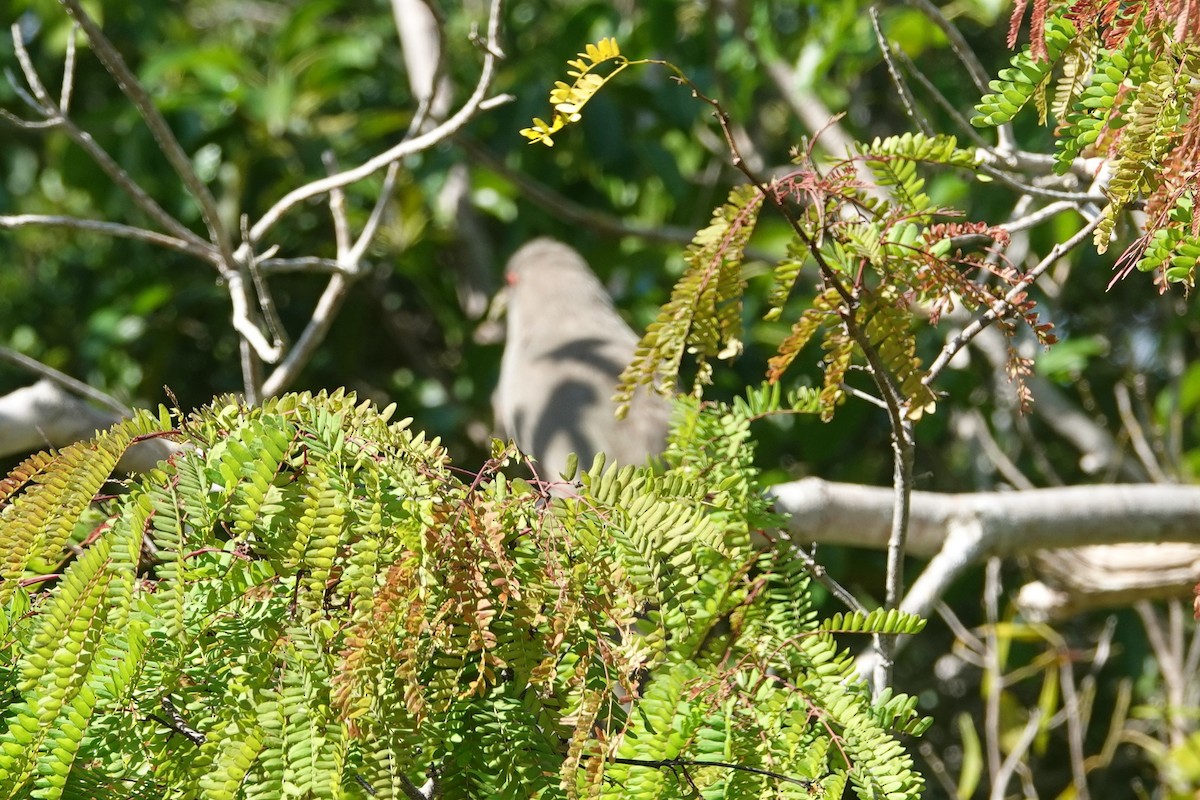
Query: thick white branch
point(959, 530)
point(1009, 522)
point(45, 415)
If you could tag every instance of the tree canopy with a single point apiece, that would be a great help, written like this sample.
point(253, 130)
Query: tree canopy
point(975, 191)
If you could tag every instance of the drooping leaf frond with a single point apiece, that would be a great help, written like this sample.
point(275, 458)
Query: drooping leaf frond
point(1127, 92)
point(1150, 125)
point(568, 99)
point(889, 329)
point(703, 316)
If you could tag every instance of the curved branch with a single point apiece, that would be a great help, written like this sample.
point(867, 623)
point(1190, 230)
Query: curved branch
point(474, 103)
point(167, 143)
point(114, 229)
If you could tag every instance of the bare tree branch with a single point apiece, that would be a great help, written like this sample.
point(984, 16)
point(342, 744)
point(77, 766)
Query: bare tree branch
point(114, 229)
point(64, 380)
point(474, 103)
point(314, 333)
point(45, 415)
point(137, 94)
point(242, 270)
point(1039, 216)
point(961, 529)
point(57, 118)
point(308, 264)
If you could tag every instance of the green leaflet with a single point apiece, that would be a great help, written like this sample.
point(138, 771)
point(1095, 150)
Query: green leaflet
point(1025, 80)
point(893, 161)
point(1131, 104)
point(1172, 248)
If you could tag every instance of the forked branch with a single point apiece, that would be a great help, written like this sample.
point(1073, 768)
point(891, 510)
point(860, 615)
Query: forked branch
point(244, 268)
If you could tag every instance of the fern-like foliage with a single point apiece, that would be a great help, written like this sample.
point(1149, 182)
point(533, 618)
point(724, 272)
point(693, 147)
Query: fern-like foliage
point(568, 99)
point(1127, 91)
point(875, 259)
point(875, 265)
point(1174, 249)
point(1027, 79)
point(704, 314)
point(305, 601)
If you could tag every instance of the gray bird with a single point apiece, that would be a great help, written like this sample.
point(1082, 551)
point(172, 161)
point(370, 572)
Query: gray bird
point(565, 349)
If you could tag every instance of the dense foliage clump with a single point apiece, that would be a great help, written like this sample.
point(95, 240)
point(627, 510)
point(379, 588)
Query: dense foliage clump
point(306, 600)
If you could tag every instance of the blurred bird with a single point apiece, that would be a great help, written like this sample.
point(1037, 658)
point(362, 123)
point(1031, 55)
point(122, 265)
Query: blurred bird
point(564, 352)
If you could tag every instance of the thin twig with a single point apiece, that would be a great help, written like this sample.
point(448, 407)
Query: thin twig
point(1003, 307)
point(971, 642)
point(56, 118)
point(958, 44)
point(670, 763)
point(941, 100)
point(115, 229)
point(349, 270)
point(1191, 663)
point(993, 676)
point(1081, 199)
point(310, 264)
point(314, 333)
point(68, 81)
point(903, 443)
point(939, 769)
point(40, 101)
point(1076, 725)
point(371, 228)
point(1004, 774)
point(24, 96)
point(159, 129)
point(262, 290)
point(1137, 436)
point(996, 454)
point(239, 296)
point(967, 57)
point(1169, 665)
point(903, 456)
point(1034, 218)
point(822, 576)
point(25, 124)
point(906, 96)
point(337, 208)
point(864, 396)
